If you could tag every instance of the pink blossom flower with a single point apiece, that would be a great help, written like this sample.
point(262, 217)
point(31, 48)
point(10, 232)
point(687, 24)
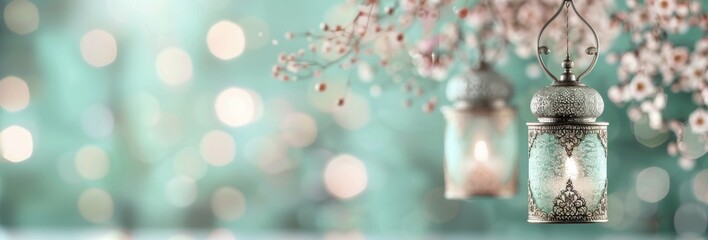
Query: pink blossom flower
point(663, 7)
point(641, 87)
point(678, 57)
point(698, 121)
point(615, 94)
point(629, 62)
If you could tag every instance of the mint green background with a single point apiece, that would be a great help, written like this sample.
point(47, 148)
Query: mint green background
point(402, 148)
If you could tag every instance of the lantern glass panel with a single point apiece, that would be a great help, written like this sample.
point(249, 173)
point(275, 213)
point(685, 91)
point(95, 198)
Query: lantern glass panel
point(481, 153)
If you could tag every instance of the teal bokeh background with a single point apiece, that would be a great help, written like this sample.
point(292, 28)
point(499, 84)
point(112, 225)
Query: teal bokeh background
point(401, 148)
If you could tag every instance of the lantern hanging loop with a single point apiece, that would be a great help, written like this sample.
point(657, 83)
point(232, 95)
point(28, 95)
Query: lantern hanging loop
point(567, 63)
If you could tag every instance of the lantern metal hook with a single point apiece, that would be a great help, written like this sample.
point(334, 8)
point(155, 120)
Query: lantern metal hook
point(593, 50)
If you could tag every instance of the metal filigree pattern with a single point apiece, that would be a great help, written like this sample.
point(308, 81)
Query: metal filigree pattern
point(568, 135)
point(569, 207)
point(555, 103)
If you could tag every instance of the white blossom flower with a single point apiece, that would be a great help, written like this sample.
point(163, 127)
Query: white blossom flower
point(682, 9)
point(675, 24)
point(678, 57)
point(660, 101)
point(641, 87)
point(667, 75)
point(656, 121)
point(611, 58)
point(695, 72)
point(698, 120)
point(615, 95)
point(672, 149)
point(704, 95)
point(652, 42)
point(622, 75)
point(365, 72)
point(647, 106)
point(629, 62)
point(702, 48)
point(687, 84)
point(663, 7)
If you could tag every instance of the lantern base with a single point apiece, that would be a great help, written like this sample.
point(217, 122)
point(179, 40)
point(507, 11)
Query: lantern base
point(569, 207)
point(566, 222)
point(481, 184)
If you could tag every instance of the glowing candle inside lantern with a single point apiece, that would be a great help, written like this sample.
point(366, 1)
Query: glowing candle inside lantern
point(480, 138)
point(571, 168)
point(481, 153)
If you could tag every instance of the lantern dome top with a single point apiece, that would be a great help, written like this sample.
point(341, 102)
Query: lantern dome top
point(567, 103)
point(481, 87)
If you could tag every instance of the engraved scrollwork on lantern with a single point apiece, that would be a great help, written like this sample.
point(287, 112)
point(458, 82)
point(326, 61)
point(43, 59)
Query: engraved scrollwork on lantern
point(569, 206)
point(569, 136)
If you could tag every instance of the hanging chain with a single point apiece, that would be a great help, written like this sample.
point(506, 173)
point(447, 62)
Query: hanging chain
point(567, 30)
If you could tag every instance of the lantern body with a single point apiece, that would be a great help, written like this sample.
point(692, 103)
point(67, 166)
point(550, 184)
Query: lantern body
point(567, 172)
point(567, 155)
point(567, 148)
point(481, 136)
point(481, 157)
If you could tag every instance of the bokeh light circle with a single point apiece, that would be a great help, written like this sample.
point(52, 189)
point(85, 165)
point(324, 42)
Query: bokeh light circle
point(345, 177)
point(652, 184)
point(256, 31)
point(299, 130)
point(218, 148)
point(14, 94)
point(437, 208)
point(92, 162)
point(375, 90)
point(226, 40)
point(99, 48)
point(327, 101)
point(228, 204)
point(97, 121)
point(648, 136)
point(692, 145)
point(145, 108)
point(700, 186)
point(237, 107)
point(222, 234)
point(16, 144)
point(174, 66)
point(21, 17)
point(181, 191)
point(269, 153)
point(96, 205)
point(354, 114)
point(188, 163)
point(691, 220)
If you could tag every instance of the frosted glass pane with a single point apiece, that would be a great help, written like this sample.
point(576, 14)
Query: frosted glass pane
point(481, 152)
point(550, 168)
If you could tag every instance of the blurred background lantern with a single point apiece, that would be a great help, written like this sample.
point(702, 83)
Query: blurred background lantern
point(567, 149)
point(481, 136)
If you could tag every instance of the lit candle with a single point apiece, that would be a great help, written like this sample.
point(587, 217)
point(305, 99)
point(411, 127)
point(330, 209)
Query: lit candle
point(481, 153)
point(571, 168)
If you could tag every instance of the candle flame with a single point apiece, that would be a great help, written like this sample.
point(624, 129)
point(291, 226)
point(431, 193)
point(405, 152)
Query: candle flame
point(481, 153)
point(571, 168)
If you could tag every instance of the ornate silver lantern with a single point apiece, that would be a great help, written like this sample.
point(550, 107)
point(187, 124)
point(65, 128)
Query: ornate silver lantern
point(481, 136)
point(567, 147)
